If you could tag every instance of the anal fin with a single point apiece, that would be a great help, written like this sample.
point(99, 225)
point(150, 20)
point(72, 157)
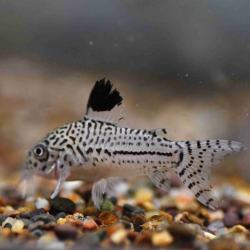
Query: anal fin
point(161, 179)
point(98, 190)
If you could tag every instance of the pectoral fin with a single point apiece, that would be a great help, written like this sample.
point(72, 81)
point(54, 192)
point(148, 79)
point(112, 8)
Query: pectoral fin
point(64, 174)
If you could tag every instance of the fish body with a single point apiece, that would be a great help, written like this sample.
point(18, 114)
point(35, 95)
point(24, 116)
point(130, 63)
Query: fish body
point(95, 149)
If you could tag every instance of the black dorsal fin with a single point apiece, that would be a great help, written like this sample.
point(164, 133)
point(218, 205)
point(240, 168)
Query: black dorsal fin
point(104, 103)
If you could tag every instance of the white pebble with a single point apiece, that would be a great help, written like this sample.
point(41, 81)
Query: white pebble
point(17, 226)
point(41, 203)
point(119, 236)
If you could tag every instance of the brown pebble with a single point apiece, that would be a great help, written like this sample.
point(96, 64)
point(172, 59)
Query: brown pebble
point(91, 211)
point(75, 222)
point(108, 218)
point(6, 232)
point(64, 232)
point(50, 226)
point(138, 219)
point(12, 214)
point(226, 243)
point(186, 217)
point(231, 219)
point(113, 228)
point(132, 235)
point(144, 239)
point(156, 223)
point(167, 216)
point(158, 218)
point(178, 229)
point(238, 229)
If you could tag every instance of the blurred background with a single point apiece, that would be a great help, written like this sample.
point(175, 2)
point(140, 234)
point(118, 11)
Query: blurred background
point(182, 65)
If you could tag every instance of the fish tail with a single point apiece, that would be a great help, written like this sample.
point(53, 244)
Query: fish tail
point(197, 159)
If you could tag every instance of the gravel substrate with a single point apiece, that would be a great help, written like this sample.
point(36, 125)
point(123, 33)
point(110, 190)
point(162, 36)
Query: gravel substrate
point(142, 217)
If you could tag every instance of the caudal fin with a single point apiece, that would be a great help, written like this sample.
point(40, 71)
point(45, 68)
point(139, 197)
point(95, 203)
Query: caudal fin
point(198, 157)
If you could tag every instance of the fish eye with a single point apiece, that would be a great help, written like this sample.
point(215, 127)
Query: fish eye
point(39, 150)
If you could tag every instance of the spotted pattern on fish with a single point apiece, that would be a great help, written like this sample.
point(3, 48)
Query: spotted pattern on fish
point(95, 149)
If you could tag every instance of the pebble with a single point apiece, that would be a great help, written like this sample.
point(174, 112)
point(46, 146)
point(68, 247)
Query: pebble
point(64, 232)
point(61, 221)
point(148, 215)
point(75, 222)
point(107, 206)
point(209, 236)
point(23, 215)
point(17, 226)
point(42, 203)
point(46, 239)
point(50, 226)
point(231, 219)
point(144, 238)
point(113, 200)
point(108, 218)
point(142, 195)
point(215, 226)
point(9, 220)
point(11, 213)
point(119, 236)
point(7, 225)
point(2, 218)
point(129, 210)
point(36, 225)
point(148, 206)
point(181, 232)
point(167, 216)
point(60, 215)
point(186, 217)
point(89, 224)
point(238, 229)
point(216, 215)
point(38, 232)
point(46, 218)
point(156, 223)
point(37, 212)
point(6, 232)
point(138, 219)
point(26, 222)
point(162, 239)
point(24, 209)
point(62, 205)
point(77, 215)
point(126, 224)
point(91, 211)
